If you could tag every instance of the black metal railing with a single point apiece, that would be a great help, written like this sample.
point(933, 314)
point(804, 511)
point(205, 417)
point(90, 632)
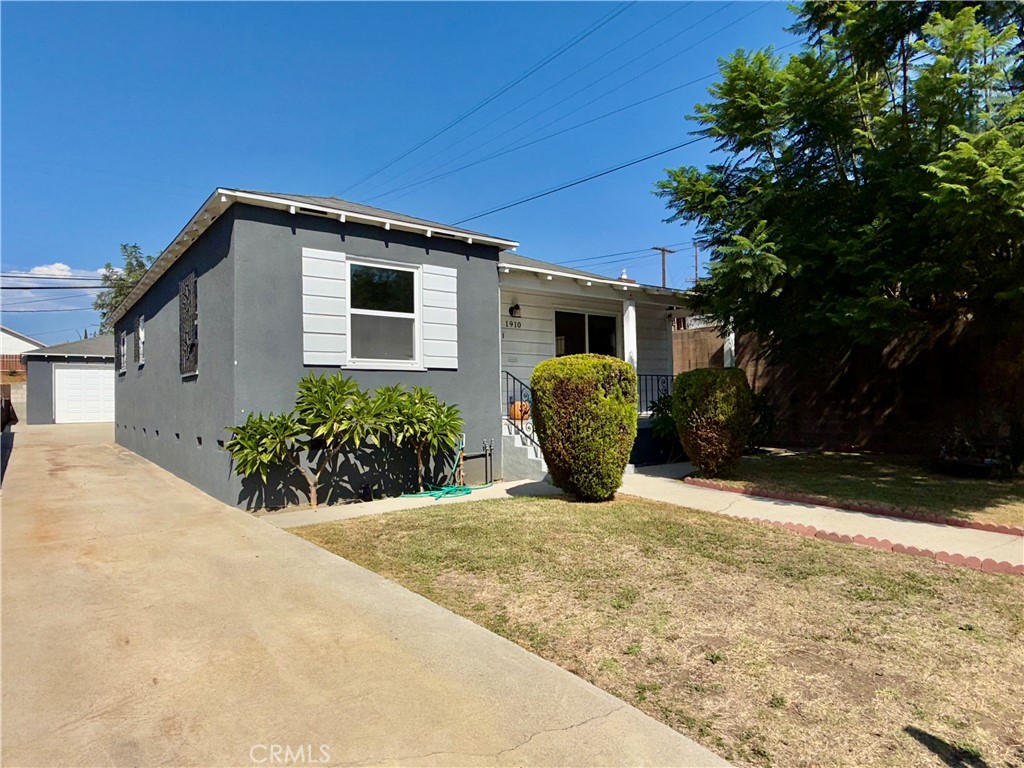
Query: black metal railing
point(650, 387)
point(518, 400)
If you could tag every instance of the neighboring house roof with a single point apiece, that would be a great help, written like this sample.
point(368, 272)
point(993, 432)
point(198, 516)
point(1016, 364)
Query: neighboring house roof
point(96, 346)
point(21, 336)
point(331, 207)
point(509, 262)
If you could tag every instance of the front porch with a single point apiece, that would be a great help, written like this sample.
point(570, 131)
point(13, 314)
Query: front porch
point(549, 311)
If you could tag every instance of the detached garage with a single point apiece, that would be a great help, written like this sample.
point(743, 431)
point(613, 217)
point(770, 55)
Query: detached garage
point(71, 383)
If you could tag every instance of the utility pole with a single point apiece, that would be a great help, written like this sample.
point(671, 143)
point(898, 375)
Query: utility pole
point(696, 264)
point(664, 265)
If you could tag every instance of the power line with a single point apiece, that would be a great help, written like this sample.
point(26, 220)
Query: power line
point(621, 253)
point(36, 301)
point(31, 276)
point(577, 182)
point(50, 287)
point(66, 330)
point(605, 77)
point(516, 148)
point(580, 37)
point(533, 98)
point(25, 311)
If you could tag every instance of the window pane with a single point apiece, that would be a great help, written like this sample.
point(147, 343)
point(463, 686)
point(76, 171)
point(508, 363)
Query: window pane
point(602, 335)
point(383, 338)
point(570, 333)
point(386, 290)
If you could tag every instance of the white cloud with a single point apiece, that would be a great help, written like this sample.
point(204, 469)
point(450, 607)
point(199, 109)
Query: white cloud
point(56, 269)
point(19, 302)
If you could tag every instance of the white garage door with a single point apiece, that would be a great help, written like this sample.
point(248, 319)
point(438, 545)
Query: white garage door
point(83, 393)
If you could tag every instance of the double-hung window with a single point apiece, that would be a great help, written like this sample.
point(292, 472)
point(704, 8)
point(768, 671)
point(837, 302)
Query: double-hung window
point(384, 315)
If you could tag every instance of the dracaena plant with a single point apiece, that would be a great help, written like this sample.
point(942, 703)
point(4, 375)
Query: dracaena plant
point(332, 414)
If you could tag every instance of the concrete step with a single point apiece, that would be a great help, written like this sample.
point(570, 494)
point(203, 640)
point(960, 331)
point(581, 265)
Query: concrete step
point(521, 461)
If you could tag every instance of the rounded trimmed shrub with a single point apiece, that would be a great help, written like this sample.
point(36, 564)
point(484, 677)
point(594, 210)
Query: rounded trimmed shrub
point(713, 409)
point(584, 415)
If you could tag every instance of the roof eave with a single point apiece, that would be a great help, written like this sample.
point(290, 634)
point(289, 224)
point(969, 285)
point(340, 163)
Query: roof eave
point(222, 199)
point(623, 285)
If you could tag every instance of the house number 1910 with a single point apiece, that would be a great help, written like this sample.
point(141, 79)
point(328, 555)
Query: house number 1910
point(513, 323)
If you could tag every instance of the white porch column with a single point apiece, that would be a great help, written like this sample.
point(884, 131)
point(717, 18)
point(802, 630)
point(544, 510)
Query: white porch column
point(729, 350)
point(629, 348)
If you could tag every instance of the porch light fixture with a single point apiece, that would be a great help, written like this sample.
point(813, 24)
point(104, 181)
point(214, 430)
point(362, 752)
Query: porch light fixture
point(515, 311)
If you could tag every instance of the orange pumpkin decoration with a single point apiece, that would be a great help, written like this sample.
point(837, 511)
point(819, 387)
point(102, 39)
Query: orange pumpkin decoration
point(519, 411)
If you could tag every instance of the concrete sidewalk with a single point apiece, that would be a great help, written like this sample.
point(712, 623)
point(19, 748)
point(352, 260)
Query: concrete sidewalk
point(329, 514)
point(665, 484)
point(144, 623)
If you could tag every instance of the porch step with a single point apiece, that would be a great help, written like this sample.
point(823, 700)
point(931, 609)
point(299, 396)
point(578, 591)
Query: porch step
point(520, 459)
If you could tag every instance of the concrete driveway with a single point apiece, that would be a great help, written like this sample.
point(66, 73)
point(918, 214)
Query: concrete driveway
point(145, 623)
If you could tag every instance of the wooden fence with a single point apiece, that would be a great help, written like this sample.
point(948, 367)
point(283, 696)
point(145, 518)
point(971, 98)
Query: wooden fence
point(11, 363)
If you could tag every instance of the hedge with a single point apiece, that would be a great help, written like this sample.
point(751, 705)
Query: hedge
point(584, 415)
point(713, 409)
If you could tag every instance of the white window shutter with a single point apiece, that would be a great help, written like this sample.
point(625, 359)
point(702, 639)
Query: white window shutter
point(323, 308)
point(440, 317)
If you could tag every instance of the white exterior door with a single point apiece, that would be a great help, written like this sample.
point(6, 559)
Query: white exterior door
point(83, 393)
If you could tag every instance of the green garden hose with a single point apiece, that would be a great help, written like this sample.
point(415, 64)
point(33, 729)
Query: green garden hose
point(450, 490)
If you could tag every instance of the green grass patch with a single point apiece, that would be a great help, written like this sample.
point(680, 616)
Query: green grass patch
point(897, 481)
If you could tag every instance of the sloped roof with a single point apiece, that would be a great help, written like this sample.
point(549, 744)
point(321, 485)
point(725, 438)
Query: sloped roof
point(22, 336)
point(95, 346)
point(331, 207)
point(513, 261)
point(368, 210)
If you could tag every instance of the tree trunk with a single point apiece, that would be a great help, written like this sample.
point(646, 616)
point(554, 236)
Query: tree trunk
point(419, 465)
point(313, 480)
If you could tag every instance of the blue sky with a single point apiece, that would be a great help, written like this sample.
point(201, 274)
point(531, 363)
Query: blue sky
point(119, 119)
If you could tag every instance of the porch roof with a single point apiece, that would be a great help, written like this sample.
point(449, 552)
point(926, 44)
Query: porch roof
point(509, 262)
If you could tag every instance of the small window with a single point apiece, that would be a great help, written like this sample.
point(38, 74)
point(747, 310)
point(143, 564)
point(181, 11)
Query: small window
point(140, 340)
point(122, 352)
point(384, 315)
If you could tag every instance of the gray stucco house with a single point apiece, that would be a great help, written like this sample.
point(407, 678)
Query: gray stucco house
point(259, 289)
point(70, 383)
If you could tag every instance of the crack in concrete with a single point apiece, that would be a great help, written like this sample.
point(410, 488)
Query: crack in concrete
point(494, 755)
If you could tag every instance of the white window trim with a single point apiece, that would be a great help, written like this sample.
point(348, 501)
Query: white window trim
point(142, 341)
point(415, 364)
point(122, 344)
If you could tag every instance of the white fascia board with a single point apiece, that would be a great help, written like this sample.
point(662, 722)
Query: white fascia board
point(191, 232)
point(503, 267)
point(622, 285)
point(66, 357)
point(222, 198)
point(379, 221)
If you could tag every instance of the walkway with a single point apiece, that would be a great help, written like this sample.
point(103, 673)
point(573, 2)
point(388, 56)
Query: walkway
point(664, 484)
point(145, 623)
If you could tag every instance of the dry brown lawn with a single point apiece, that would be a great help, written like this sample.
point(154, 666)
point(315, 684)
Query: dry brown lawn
point(767, 647)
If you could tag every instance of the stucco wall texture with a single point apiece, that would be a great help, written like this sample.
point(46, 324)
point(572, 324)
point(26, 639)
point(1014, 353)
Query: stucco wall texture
point(249, 270)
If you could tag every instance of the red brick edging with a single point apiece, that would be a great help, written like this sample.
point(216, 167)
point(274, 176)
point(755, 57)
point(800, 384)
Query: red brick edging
point(871, 509)
point(988, 565)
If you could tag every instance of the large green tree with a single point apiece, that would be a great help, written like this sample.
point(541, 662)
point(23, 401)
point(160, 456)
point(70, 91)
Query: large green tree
point(119, 281)
point(870, 189)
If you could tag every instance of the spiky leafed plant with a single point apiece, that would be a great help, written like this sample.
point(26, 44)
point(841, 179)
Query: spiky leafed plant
point(331, 412)
point(427, 423)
